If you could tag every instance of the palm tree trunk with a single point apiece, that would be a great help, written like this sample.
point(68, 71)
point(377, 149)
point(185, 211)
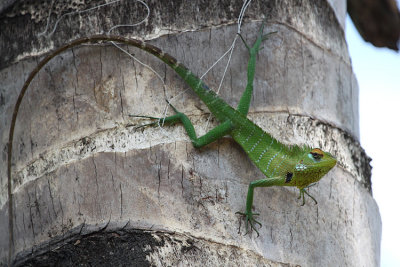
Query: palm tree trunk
point(88, 187)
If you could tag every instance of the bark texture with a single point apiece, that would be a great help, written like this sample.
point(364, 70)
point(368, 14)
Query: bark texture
point(90, 188)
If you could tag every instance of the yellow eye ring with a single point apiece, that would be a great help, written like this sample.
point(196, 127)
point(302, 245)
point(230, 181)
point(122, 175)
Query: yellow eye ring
point(317, 153)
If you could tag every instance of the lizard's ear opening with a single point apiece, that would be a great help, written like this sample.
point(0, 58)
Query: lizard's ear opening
point(316, 154)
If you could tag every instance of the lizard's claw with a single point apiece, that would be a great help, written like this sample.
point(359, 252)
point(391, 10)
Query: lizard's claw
point(156, 122)
point(302, 192)
point(266, 36)
point(249, 219)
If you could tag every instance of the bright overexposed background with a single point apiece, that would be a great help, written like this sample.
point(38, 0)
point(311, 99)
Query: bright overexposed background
point(378, 75)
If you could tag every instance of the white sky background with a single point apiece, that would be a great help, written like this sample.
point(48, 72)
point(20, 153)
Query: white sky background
point(378, 75)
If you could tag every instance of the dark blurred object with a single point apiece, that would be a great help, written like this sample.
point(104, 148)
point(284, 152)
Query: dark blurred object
point(377, 21)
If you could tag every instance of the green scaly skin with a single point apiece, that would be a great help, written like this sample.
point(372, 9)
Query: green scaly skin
point(282, 165)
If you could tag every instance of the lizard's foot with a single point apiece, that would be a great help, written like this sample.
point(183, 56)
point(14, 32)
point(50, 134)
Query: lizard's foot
point(302, 192)
point(260, 38)
point(249, 219)
point(156, 121)
point(161, 121)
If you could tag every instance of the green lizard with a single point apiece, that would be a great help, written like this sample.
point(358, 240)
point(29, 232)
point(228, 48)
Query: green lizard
point(282, 165)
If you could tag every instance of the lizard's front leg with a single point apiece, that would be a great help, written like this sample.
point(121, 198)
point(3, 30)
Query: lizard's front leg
point(248, 215)
point(211, 136)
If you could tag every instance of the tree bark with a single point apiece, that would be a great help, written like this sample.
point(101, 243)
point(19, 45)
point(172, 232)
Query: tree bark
point(90, 188)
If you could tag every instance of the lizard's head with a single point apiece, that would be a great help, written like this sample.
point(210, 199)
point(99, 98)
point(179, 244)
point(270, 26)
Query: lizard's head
point(313, 165)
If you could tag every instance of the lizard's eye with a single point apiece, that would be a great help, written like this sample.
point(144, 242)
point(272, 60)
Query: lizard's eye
point(317, 153)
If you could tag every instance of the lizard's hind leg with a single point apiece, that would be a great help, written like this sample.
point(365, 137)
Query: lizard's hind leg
point(244, 102)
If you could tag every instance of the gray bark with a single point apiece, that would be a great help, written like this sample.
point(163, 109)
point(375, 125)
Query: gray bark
point(89, 188)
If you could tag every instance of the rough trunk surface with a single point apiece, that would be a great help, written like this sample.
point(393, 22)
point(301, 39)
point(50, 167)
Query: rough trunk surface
point(89, 188)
